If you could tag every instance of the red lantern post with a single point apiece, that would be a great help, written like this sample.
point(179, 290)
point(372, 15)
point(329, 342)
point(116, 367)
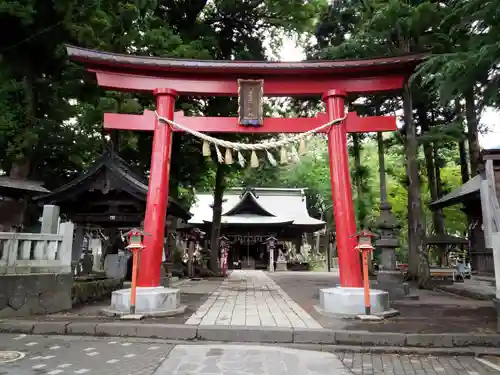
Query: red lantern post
point(135, 245)
point(364, 240)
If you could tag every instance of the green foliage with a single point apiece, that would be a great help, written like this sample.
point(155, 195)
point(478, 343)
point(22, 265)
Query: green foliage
point(51, 113)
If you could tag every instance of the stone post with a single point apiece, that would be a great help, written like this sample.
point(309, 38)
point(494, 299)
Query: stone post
point(50, 219)
point(66, 248)
point(495, 239)
point(271, 246)
point(190, 246)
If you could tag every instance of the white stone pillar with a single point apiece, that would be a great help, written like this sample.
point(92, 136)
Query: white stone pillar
point(50, 219)
point(271, 259)
point(66, 249)
point(496, 261)
point(487, 213)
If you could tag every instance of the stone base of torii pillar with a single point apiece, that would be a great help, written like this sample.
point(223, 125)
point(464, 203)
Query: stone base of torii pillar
point(151, 301)
point(351, 302)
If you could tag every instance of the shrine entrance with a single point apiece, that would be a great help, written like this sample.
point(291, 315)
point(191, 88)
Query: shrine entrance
point(169, 78)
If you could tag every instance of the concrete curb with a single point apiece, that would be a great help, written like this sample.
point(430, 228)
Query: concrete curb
point(465, 293)
point(276, 335)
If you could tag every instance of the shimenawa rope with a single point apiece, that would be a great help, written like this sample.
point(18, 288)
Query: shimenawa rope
point(237, 146)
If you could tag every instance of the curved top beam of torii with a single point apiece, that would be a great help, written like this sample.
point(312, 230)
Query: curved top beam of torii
point(219, 78)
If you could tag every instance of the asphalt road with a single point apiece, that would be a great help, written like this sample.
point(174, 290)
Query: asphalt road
point(65, 355)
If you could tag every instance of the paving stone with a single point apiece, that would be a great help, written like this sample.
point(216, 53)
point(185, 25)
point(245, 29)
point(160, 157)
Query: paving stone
point(476, 340)
point(81, 328)
point(50, 328)
point(245, 334)
point(396, 364)
point(18, 326)
point(117, 329)
point(369, 338)
point(167, 331)
point(314, 336)
point(429, 340)
point(248, 360)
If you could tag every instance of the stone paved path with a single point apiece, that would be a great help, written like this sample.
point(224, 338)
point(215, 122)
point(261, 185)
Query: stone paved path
point(251, 298)
point(65, 355)
point(249, 360)
point(394, 364)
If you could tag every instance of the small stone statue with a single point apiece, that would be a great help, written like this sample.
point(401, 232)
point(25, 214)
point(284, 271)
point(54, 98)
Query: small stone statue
point(281, 256)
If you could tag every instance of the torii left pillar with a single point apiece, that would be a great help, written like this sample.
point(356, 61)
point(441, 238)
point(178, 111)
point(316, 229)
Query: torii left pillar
point(156, 206)
point(151, 298)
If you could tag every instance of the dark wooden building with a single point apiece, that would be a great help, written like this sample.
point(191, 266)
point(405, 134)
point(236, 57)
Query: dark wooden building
point(16, 210)
point(469, 195)
point(110, 194)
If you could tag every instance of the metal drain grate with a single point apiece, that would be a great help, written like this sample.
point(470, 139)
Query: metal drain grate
point(7, 356)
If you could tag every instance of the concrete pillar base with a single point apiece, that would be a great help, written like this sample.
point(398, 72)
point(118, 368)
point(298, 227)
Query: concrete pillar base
point(350, 301)
point(154, 301)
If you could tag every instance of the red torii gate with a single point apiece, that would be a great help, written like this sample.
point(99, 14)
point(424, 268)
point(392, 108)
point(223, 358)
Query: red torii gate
point(168, 78)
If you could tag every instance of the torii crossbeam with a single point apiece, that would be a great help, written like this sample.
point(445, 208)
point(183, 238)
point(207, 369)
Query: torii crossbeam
point(169, 78)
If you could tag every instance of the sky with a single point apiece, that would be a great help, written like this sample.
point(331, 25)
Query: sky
point(490, 118)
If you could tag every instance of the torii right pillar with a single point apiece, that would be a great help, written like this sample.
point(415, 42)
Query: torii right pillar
point(343, 208)
point(348, 298)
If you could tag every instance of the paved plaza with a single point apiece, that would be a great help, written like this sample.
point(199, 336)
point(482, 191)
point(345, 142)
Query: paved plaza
point(251, 298)
point(65, 355)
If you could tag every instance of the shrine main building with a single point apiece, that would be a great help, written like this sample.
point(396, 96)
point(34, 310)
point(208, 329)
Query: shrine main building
point(251, 215)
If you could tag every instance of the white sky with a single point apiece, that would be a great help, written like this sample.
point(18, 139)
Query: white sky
point(490, 117)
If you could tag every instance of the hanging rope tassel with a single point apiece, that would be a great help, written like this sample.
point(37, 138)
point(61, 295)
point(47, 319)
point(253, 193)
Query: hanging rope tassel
point(206, 149)
point(241, 160)
point(302, 147)
point(271, 158)
point(283, 155)
point(220, 158)
point(254, 160)
point(229, 156)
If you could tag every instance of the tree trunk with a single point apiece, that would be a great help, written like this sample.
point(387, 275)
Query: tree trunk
point(431, 169)
point(216, 219)
point(21, 166)
point(381, 162)
point(464, 167)
point(418, 264)
point(358, 178)
point(437, 169)
point(472, 125)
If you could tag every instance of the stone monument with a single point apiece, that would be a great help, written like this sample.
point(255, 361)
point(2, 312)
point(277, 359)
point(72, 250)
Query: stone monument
point(281, 262)
point(271, 246)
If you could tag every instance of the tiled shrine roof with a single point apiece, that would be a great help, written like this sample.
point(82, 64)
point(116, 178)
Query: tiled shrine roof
point(259, 206)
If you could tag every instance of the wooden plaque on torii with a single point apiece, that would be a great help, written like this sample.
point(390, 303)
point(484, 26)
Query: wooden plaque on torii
point(250, 97)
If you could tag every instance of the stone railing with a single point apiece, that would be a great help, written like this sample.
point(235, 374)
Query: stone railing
point(29, 253)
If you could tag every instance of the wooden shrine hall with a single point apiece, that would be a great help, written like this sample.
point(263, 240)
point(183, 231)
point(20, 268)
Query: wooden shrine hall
point(251, 215)
point(109, 195)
